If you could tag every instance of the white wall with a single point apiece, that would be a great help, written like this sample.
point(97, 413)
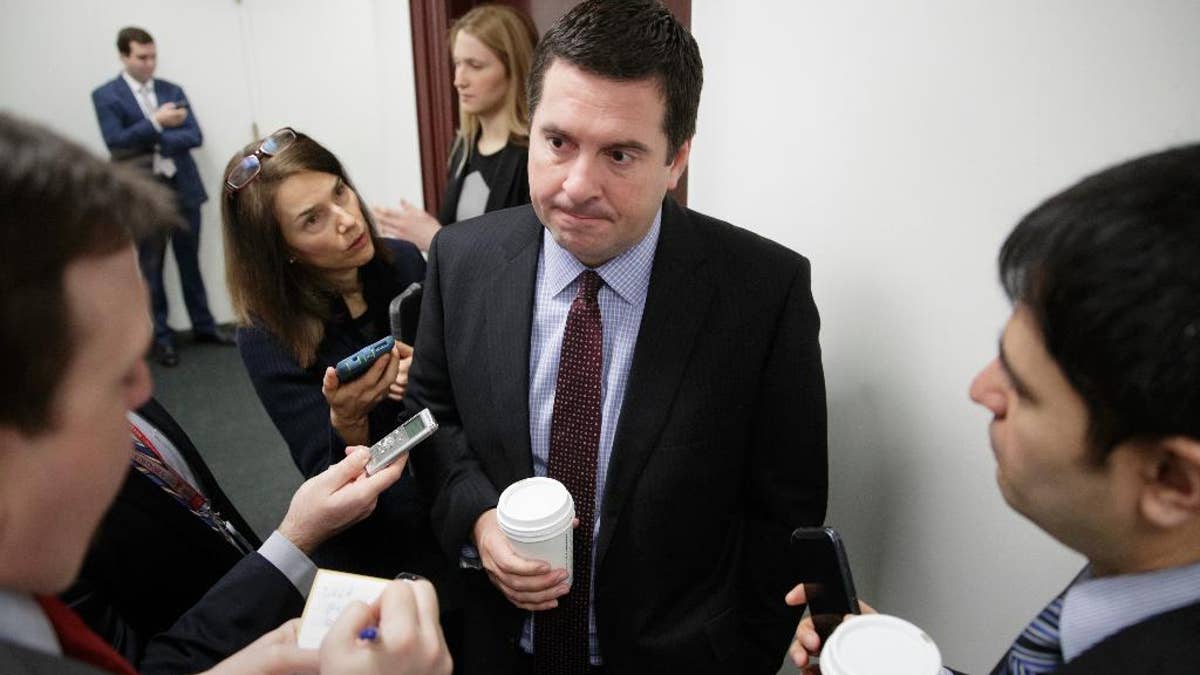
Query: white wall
point(895, 144)
point(341, 72)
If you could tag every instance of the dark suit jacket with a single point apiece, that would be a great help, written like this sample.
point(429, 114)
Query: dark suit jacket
point(131, 137)
point(152, 561)
point(511, 182)
point(719, 452)
point(396, 536)
point(18, 660)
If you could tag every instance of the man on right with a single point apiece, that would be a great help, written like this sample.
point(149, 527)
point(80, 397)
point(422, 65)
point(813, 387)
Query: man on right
point(1095, 397)
point(661, 364)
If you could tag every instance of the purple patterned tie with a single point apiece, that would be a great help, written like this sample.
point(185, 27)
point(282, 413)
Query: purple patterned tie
point(561, 634)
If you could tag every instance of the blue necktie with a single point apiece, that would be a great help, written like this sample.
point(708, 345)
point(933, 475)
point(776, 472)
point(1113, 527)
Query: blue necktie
point(1037, 648)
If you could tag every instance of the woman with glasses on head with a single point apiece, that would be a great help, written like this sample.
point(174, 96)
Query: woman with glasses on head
point(311, 281)
point(492, 47)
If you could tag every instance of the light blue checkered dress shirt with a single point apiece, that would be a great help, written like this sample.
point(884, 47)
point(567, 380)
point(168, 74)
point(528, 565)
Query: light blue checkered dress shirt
point(622, 299)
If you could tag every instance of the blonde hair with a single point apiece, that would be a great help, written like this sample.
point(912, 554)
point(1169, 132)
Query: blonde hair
point(511, 36)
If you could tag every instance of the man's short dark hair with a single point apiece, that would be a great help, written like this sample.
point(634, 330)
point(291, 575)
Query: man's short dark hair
point(1111, 271)
point(628, 40)
point(58, 204)
point(131, 34)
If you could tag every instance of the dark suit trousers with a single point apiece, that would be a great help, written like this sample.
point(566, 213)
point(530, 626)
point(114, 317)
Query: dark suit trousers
point(186, 244)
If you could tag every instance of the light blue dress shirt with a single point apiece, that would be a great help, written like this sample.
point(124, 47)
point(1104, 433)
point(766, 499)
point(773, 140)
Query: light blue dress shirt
point(622, 298)
point(1097, 608)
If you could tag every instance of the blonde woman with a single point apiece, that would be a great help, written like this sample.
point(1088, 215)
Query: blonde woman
point(492, 47)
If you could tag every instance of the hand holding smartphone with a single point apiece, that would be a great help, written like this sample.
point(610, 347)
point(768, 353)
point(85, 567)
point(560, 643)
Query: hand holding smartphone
point(822, 566)
point(353, 366)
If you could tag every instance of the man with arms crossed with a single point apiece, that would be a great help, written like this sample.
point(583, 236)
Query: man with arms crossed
point(1095, 398)
point(661, 364)
point(148, 123)
point(73, 330)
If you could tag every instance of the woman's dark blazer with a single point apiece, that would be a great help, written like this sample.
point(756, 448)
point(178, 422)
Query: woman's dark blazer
point(511, 188)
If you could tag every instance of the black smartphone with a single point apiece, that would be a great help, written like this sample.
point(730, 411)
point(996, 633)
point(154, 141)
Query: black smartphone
point(824, 570)
point(404, 313)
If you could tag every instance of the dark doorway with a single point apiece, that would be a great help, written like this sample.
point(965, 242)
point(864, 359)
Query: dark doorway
point(437, 105)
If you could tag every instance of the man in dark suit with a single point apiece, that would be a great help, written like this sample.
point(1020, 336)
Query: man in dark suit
point(67, 265)
point(661, 364)
point(1095, 428)
point(157, 554)
point(149, 123)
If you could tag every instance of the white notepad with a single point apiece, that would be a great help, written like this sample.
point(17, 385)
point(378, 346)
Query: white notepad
point(331, 593)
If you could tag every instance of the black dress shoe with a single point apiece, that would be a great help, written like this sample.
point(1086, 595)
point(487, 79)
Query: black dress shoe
point(217, 337)
point(165, 354)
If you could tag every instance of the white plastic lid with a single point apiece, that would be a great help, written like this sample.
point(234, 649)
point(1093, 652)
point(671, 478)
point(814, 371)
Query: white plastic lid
point(535, 507)
point(878, 644)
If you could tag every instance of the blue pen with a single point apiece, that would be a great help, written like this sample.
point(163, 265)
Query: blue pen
point(370, 634)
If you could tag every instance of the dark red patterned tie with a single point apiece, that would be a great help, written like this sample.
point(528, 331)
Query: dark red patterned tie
point(78, 641)
point(561, 634)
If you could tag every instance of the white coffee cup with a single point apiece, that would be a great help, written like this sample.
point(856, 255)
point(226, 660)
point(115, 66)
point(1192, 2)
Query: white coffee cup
point(535, 514)
point(878, 644)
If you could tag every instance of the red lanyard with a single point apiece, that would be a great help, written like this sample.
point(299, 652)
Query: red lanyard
point(156, 465)
point(148, 460)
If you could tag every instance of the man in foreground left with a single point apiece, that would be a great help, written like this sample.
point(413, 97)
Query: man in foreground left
point(68, 267)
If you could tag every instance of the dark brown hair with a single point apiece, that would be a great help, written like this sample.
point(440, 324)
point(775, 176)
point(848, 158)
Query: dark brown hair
point(628, 40)
point(131, 34)
point(58, 204)
point(1110, 268)
point(290, 300)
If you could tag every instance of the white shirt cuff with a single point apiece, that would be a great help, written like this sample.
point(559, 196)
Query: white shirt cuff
point(157, 127)
point(296, 566)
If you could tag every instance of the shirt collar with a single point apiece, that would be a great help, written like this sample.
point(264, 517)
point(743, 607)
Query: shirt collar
point(1096, 608)
point(134, 85)
point(23, 622)
point(628, 274)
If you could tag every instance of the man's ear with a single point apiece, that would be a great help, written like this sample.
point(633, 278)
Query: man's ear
point(679, 163)
point(1171, 482)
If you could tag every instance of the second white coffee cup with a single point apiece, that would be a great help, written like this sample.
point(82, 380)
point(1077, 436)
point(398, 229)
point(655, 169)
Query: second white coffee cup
point(535, 514)
point(878, 644)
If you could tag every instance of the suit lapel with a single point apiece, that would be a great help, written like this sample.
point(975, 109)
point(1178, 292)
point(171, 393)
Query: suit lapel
point(125, 95)
point(163, 93)
point(506, 172)
point(676, 304)
point(508, 319)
